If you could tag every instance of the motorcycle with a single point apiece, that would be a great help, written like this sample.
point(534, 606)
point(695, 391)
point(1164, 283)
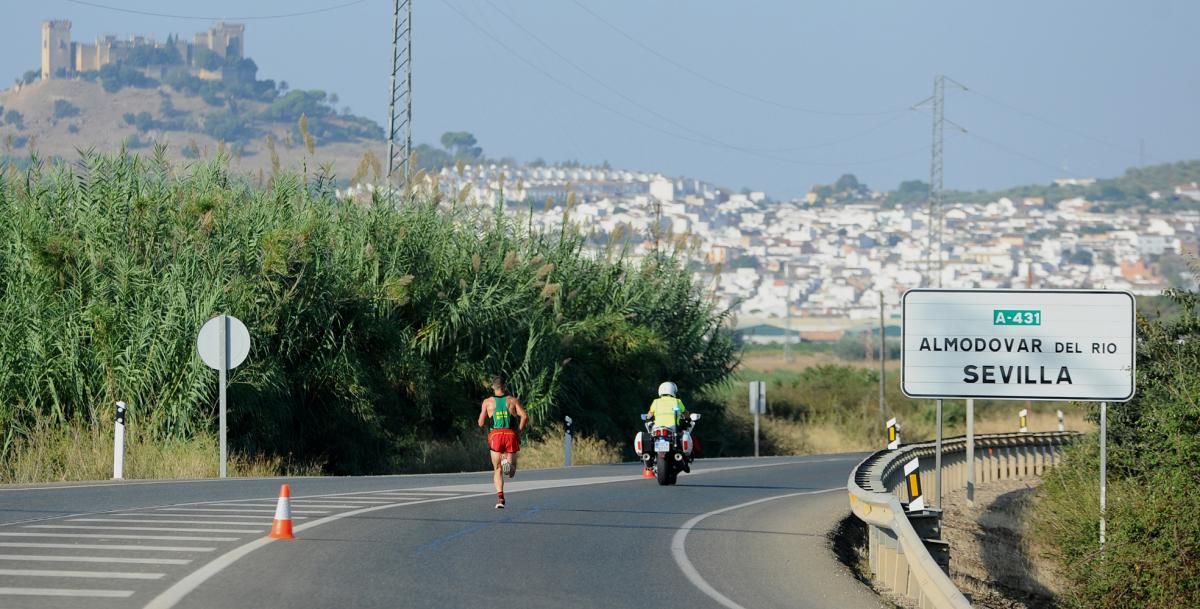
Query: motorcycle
point(666, 450)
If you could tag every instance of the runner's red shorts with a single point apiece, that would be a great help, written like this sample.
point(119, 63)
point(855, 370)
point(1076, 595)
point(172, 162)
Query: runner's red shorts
point(504, 441)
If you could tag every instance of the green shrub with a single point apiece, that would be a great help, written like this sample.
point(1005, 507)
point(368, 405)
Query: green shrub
point(1152, 558)
point(374, 326)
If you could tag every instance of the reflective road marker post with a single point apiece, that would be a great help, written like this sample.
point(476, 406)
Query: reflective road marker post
point(1060, 421)
point(912, 474)
point(119, 443)
point(893, 434)
point(1023, 417)
point(223, 343)
point(567, 437)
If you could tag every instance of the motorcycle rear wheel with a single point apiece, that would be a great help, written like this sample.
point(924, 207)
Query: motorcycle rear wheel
point(662, 469)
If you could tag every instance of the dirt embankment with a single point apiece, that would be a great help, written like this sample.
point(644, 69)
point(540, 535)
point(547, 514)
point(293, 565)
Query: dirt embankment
point(994, 558)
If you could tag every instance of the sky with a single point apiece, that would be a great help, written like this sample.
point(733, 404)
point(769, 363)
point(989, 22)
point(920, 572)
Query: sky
point(768, 95)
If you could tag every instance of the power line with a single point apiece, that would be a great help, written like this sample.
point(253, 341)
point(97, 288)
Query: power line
point(667, 119)
point(721, 85)
point(1048, 122)
point(202, 18)
point(705, 140)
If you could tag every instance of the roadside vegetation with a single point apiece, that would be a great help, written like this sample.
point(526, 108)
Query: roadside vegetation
point(374, 326)
point(1152, 555)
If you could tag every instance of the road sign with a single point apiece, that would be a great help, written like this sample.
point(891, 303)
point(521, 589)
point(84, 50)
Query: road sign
point(1018, 344)
point(208, 342)
point(223, 343)
point(758, 397)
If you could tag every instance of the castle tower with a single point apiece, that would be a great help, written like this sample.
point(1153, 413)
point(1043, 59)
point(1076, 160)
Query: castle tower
point(56, 47)
point(227, 39)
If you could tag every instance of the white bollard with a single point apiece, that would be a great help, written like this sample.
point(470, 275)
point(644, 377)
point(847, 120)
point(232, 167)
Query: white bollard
point(119, 444)
point(1024, 414)
point(1060, 422)
point(567, 441)
point(893, 434)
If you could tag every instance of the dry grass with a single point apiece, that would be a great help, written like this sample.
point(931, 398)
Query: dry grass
point(548, 452)
point(771, 361)
point(785, 437)
point(77, 452)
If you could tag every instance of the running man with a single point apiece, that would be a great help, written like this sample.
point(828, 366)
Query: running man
point(503, 440)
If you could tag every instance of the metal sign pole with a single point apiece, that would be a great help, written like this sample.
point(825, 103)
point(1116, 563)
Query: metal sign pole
point(756, 432)
point(937, 482)
point(567, 437)
point(1103, 467)
point(224, 342)
point(970, 452)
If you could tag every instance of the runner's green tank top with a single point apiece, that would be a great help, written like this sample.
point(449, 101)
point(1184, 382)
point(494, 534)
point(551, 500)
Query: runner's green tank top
point(500, 418)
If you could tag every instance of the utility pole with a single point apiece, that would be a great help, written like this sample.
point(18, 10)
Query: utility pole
point(399, 156)
point(935, 181)
point(936, 220)
point(882, 356)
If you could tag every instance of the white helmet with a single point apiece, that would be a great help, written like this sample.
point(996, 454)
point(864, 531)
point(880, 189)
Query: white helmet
point(667, 388)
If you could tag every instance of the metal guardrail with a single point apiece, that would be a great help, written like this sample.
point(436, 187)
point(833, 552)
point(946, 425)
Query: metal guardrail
point(902, 545)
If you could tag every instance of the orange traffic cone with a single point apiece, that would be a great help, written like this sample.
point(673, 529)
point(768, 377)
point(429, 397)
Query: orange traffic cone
point(281, 528)
point(647, 473)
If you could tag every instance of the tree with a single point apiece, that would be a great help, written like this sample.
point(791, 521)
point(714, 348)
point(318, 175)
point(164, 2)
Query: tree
point(461, 145)
point(848, 183)
point(283, 87)
point(29, 76)
point(65, 109)
point(14, 118)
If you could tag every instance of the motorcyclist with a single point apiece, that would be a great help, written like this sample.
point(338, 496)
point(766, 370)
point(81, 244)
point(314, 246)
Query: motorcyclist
point(668, 411)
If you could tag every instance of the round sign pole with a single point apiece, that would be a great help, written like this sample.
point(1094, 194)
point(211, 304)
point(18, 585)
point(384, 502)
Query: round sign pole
point(1103, 467)
point(223, 344)
point(224, 374)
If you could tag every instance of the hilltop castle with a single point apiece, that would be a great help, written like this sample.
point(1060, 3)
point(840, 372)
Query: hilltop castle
point(62, 58)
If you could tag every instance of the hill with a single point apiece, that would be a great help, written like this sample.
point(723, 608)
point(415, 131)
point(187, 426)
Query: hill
point(58, 117)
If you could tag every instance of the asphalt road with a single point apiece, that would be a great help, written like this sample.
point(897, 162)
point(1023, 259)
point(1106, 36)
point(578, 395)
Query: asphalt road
point(735, 533)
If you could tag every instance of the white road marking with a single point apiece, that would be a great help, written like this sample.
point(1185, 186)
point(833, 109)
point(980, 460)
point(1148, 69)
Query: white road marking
point(121, 527)
point(246, 523)
point(273, 504)
point(101, 559)
point(104, 546)
point(70, 592)
point(253, 517)
point(172, 595)
point(238, 510)
point(120, 536)
point(689, 571)
point(80, 574)
point(346, 500)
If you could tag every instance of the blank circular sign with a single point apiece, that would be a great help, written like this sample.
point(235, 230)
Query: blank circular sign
point(237, 342)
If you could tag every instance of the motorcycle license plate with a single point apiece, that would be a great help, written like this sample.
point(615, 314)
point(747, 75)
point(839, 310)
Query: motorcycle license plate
point(662, 446)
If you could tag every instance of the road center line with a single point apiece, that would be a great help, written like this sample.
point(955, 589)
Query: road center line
point(689, 571)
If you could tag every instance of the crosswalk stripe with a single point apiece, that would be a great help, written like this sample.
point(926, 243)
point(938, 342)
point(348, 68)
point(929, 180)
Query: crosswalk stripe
point(194, 515)
point(120, 536)
point(71, 592)
point(343, 500)
point(80, 574)
point(103, 546)
point(261, 520)
point(101, 559)
point(244, 511)
point(120, 527)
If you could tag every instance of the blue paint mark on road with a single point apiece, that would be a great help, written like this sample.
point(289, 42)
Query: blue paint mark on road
point(445, 539)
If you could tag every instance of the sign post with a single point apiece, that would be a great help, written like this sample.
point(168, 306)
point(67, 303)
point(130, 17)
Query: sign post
point(758, 405)
point(1103, 468)
point(1076, 345)
point(970, 452)
point(937, 459)
point(223, 343)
